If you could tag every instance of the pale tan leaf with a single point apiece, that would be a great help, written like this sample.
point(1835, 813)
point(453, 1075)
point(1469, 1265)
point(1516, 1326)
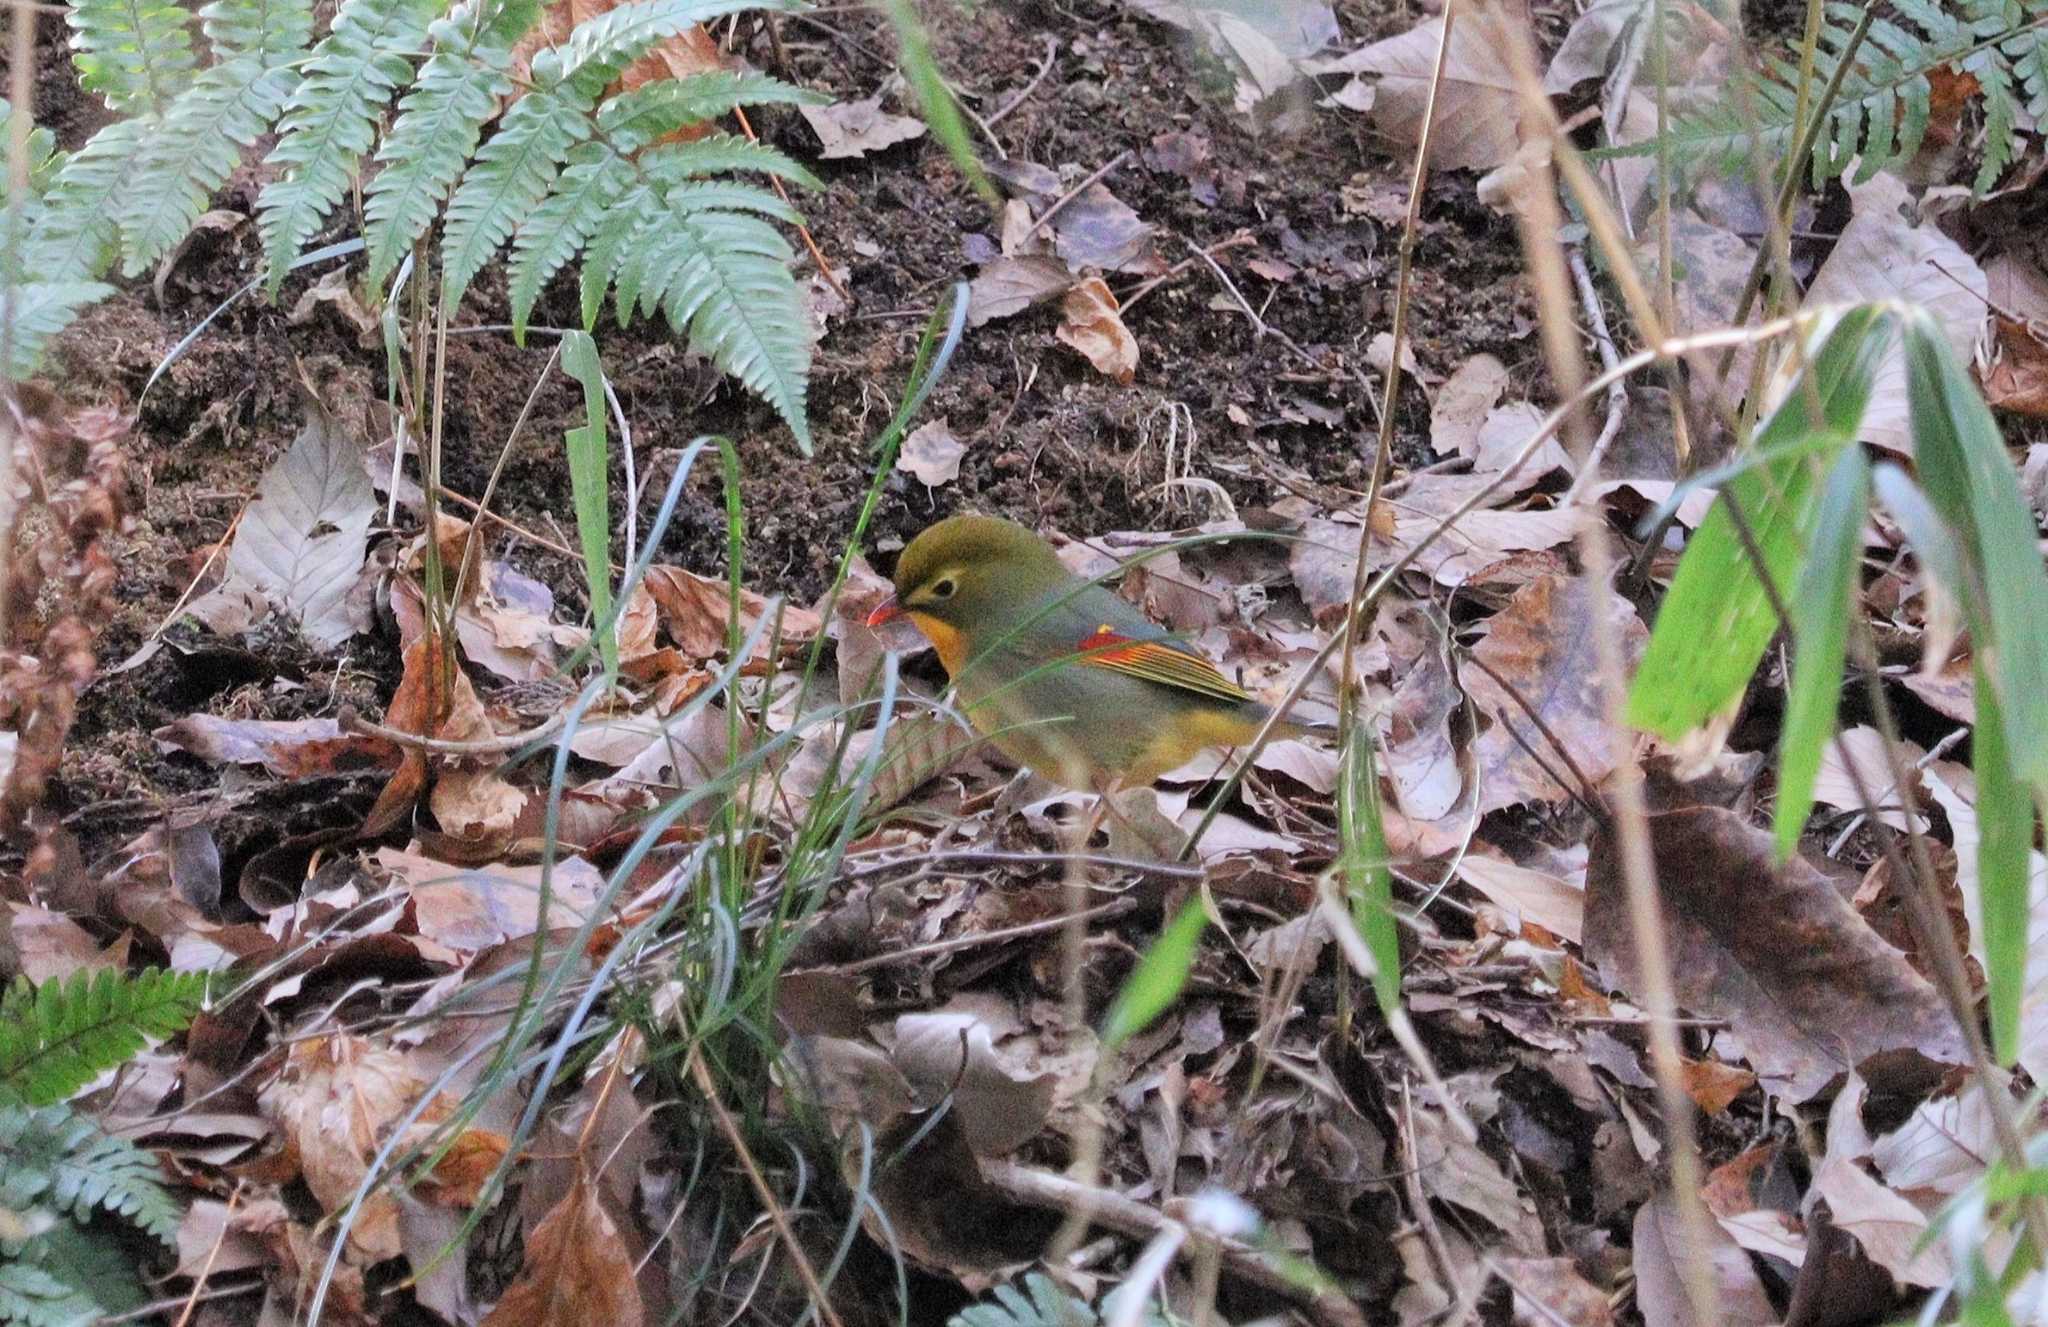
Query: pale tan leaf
point(577, 1272)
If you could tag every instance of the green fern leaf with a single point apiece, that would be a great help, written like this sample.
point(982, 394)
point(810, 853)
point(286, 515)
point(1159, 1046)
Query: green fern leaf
point(331, 120)
point(274, 31)
point(557, 230)
point(36, 311)
point(719, 154)
point(136, 54)
point(1881, 113)
point(59, 1158)
point(512, 176)
point(2001, 118)
point(57, 1037)
point(723, 279)
point(438, 126)
point(32, 1297)
point(618, 36)
point(43, 157)
point(75, 237)
point(192, 154)
point(634, 210)
point(633, 119)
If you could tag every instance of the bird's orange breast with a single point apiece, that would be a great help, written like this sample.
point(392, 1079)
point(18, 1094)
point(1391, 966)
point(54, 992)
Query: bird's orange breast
point(947, 640)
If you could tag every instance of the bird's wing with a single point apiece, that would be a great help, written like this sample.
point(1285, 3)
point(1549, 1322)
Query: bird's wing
point(1157, 661)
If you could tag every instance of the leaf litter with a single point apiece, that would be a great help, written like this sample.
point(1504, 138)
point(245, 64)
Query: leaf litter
point(942, 1048)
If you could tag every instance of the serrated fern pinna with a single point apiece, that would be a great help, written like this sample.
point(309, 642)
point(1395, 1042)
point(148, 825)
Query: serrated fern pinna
point(1886, 97)
point(444, 115)
point(59, 1172)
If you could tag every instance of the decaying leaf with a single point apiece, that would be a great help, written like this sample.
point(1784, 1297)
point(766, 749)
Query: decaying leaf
point(1541, 646)
point(577, 1271)
point(1007, 285)
point(1808, 988)
point(932, 453)
point(332, 1103)
point(1881, 255)
point(697, 613)
point(1091, 324)
point(302, 540)
point(1477, 108)
point(856, 128)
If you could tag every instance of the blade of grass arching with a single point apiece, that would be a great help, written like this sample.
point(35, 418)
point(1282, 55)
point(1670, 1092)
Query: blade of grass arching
point(1820, 636)
point(589, 489)
point(2005, 828)
point(1363, 866)
point(1970, 480)
point(1716, 620)
point(921, 70)
point(1159, 978)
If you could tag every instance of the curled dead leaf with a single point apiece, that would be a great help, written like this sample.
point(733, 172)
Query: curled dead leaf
point(1093, 326)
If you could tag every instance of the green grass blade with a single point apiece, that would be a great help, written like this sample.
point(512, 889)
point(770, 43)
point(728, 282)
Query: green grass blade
point(1717, 619)
point(1820, 633)
point(588, 488)
point(1362, 866)
point(935, 99)
point(1969, 479)
point(2005, 833)
point(1160, 976)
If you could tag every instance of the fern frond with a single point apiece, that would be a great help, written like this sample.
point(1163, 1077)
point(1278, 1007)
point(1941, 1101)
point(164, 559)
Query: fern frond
point(43, 157)
point(331, 120)
point(723, 278)
point(634, 210)
point(510, 178)
point(726, 195)
point(57, 1037)
point(136, 54)
point(274, 31)
point(438, 126)
point(618, 36)
point(74, 239)
point(32, 1297)
point(60, 1158)
point(633, 119)
point(37, 311)
point(192, 154)
point(1880, 115)
point(718, 154)
point(557, 230)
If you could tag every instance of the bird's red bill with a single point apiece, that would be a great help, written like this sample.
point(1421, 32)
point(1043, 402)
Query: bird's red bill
point(885, 612)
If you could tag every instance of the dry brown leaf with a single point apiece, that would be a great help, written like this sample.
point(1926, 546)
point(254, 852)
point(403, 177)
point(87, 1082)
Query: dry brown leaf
point(1008, 285)
point(954, 1053)
point(932, 453)
point(1092, 326)
point(332, 1103)
point(1807, 987)
point(1541, 645)
point(1477, 109)
point(288, 748)
point(1550, 1292)
point(1660, 1238)
point(696, 611)
point(1714, 1086)
point(1881, 255)
point(1555, 904)
point(469, 909)
point(577, 1271)
point(856, 128)
point(1891, 1230)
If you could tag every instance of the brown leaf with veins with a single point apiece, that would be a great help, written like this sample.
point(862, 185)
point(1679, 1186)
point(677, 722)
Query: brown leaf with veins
point(332, 1104)
point(577, 1269)
point(696, 610)
point(1807, 987)
point(1091, 324)
point(1541, 645)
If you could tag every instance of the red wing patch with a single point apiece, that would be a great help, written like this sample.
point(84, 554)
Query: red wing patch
point(1156, 661)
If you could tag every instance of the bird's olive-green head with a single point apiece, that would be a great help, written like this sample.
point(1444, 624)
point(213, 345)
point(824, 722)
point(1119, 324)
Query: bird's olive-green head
point(969, 571)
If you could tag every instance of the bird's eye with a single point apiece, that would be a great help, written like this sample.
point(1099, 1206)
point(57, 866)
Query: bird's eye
point(942, 589)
